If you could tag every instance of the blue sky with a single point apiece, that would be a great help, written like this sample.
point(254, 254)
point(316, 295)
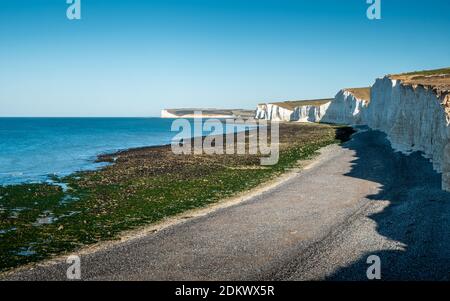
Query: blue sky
point(135, 57)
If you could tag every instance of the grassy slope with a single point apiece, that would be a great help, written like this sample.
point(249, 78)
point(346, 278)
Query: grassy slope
point(426, 72)
point(438, 79)
point(143, 186)
point(361, 93)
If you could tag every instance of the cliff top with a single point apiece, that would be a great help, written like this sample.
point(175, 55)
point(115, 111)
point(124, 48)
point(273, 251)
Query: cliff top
point(291, 105)
point(360, 93)
point(438, 79)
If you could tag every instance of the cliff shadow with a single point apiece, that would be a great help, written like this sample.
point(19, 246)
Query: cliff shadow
point(417, 216)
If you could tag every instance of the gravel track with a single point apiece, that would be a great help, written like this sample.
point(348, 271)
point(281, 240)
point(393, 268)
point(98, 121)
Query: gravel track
point(355, 200)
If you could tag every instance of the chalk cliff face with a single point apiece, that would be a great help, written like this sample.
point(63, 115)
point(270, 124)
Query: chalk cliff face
point(167, 114)
point(310, 113)
point(412, 109)
point(301, 111)
point(346, 108)
point(207, 113)
point(274, 112)
point(413, 117)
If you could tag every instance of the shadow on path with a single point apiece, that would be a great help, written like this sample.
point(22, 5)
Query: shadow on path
point(418, 214)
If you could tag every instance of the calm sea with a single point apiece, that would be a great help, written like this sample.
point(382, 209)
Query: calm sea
point(31, 149)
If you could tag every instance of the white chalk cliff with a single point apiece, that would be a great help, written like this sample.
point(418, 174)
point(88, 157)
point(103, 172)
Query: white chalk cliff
point(207, 113)
point(413, 117)
point(300, 111)
point(413, 110)
point(346, 108)
point(274, 112)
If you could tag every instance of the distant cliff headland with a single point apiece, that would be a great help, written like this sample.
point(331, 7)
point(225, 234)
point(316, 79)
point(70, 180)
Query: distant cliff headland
point(207, 113)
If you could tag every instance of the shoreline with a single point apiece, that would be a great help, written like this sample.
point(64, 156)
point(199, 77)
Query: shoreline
point(102, 157)
point(242, 197)
point(144, 189)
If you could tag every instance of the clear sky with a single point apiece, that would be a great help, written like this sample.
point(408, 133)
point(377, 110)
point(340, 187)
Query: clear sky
point(135, 57)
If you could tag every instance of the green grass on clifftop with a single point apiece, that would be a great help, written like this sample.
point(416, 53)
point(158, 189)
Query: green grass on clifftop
point(428, 72)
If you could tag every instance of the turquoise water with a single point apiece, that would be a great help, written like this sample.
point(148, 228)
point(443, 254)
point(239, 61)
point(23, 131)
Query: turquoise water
point(31, 149)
